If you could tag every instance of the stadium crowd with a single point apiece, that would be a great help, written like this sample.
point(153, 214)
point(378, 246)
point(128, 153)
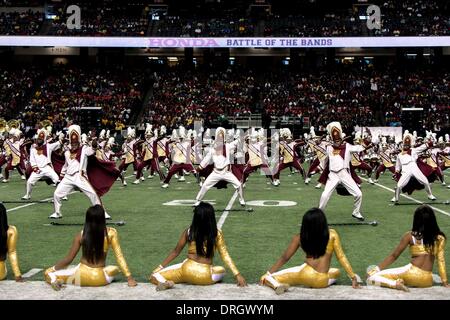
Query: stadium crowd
point(181, 97)
point(398, 18)
point(67, 90)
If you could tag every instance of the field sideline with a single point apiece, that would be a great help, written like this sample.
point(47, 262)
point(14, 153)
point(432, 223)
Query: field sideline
point(255, 240)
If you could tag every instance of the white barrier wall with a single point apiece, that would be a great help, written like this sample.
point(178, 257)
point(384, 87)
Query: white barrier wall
point(384, 131)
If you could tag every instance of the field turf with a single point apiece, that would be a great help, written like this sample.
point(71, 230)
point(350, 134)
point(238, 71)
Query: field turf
point(255, 240)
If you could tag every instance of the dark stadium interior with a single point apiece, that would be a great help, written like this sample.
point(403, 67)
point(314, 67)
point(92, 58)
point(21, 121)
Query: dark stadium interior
point(225, 18)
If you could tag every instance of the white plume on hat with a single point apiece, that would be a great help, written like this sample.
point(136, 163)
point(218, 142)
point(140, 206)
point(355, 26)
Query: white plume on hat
point(312, 132)
point(163, 130)
point(102, 134)
point(174, 134)
point(261, 133)
point(107, 134)
point(182, 132)
point(49, 130)
point(110, 142)
point(447, 137)
point(148, 129)
point(131, 133)
point(84, 138)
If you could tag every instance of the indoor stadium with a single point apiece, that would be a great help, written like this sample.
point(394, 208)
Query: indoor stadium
point(303, 144)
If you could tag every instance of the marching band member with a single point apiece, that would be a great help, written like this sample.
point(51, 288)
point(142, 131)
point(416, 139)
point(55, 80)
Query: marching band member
point(357, 162)
point(318, 242)
point(13, 154)
point(318, 146)
point(432, 159)
point(149, 157)
point(385, 153)
point(219, 154)
point(8, 244)
point(409, 176)
point(289, 155)
point(257, 155)
point(106, 154)
point(338, 169)
point(76, 174)
point(202, 238)
point(129, 151)
point(40, 161)
point(94, 240)
point(181, 156)
point(426, 243)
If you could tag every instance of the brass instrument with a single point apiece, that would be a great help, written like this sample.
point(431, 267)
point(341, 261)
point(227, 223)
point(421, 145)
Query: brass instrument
point(45, 123)
point(3, 125)
point(13, 123)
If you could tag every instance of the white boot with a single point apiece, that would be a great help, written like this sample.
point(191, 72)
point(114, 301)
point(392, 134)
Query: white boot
point(358, 216)
point(196, 203)
point(55, 215)
point(371, 181)
point(107, 216)
point(137, 181)
point(318, 186)
point(242, 202)
point(394, 200)
point(165, 185)
point(24, 178)
point(26, 197)
point(307, 180)
point(182, 178)
point(5, 180)
point(142, 178)
point(124, 183)
point(431, 197)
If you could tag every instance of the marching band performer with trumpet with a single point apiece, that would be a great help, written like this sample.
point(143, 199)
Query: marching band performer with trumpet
point(91, 176)
point(13, 151)
point(409, 175)
point(40, 161)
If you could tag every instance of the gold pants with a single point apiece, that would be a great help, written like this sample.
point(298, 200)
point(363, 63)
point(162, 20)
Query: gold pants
point(190, 272)
point(82, 275)
point(410, 274)
point(303, 275)
point(3, 271)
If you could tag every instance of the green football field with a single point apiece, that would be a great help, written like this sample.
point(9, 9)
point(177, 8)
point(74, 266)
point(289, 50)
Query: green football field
point(155, 219)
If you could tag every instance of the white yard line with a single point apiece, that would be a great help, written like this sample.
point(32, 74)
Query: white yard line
point(408, 197)
point(31, 273)
point(48, 199)
point(225, 213)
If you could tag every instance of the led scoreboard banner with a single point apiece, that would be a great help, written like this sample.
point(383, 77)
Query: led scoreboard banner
point(147, 42)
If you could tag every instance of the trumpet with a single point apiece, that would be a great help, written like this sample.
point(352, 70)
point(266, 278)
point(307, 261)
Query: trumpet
point(13, 123)
point(3, 125)
point(45, 123)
